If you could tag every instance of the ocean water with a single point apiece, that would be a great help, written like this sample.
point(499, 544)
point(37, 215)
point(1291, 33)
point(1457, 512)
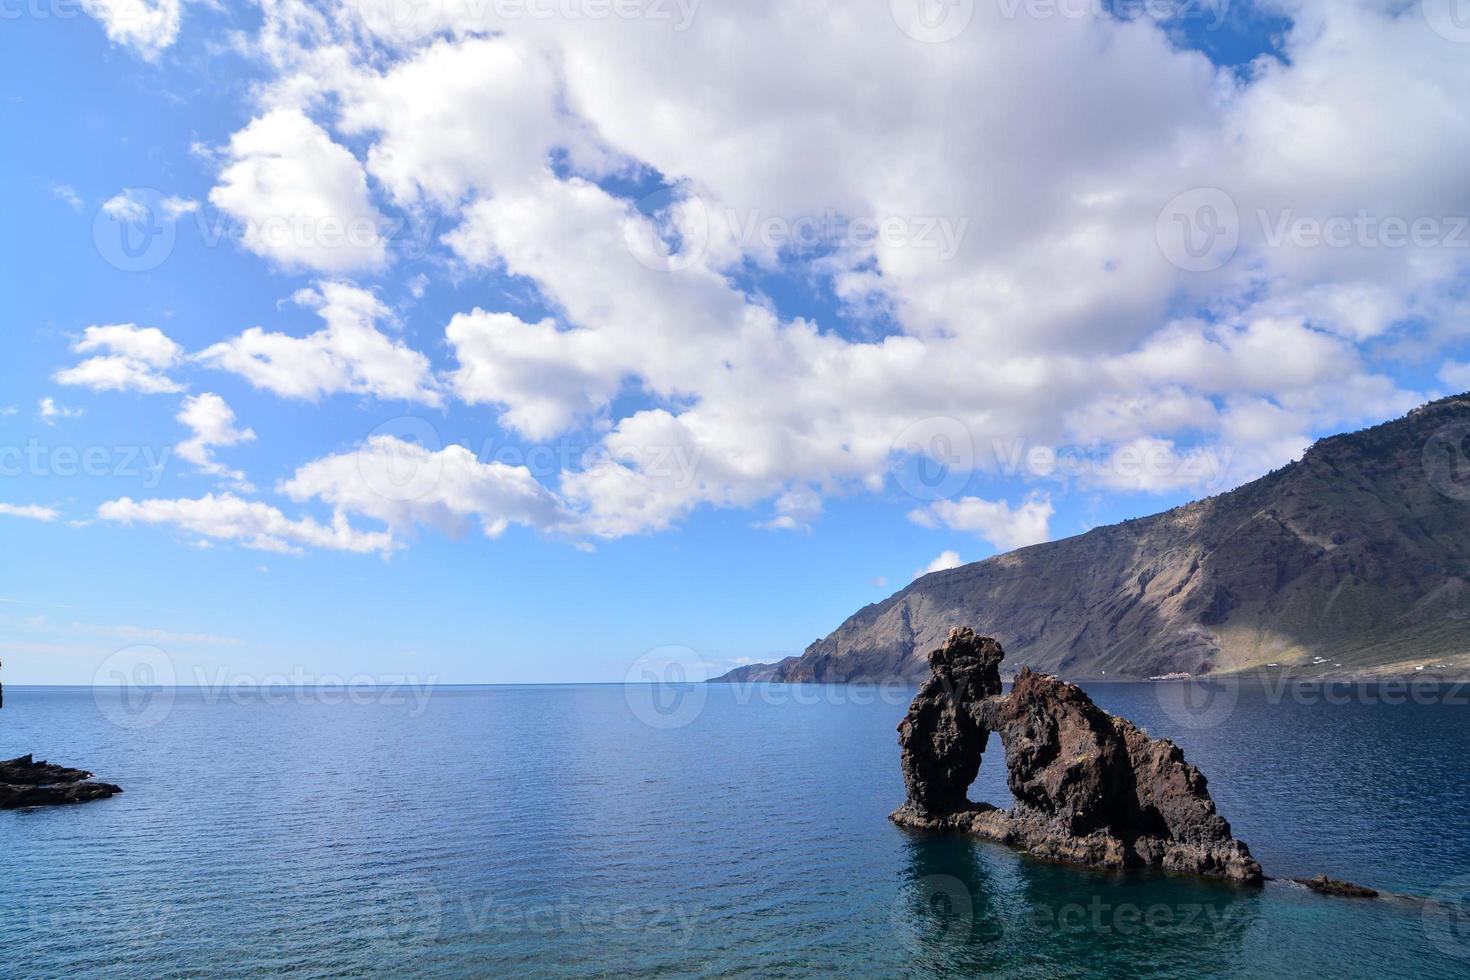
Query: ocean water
point(728, 831)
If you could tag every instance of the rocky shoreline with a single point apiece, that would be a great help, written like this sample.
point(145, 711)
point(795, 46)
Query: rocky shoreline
point(25, 782)
point(1090, 787)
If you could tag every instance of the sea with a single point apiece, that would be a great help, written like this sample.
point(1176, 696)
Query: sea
point(700, 830)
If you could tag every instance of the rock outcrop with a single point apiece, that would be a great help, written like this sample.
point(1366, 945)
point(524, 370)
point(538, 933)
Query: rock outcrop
point(942, 742)
point(1324, 885)
point(25, 782)
point(1090, 787)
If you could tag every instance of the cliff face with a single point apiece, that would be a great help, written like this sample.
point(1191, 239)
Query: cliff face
point(1357, 557)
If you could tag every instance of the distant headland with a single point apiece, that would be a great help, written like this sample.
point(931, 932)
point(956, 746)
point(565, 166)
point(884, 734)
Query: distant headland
point(1350, 563)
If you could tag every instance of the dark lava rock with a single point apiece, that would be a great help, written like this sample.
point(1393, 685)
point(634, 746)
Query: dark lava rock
point(1324, 885)
point(25, 782)
point(942, 743)
point(1090, 787)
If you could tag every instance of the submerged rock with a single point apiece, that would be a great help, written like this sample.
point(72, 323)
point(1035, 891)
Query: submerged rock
point(25, 782)
point(1090, 787)
point(1324, 885)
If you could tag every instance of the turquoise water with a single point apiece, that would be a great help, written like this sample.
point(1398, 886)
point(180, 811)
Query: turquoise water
point(553, 831)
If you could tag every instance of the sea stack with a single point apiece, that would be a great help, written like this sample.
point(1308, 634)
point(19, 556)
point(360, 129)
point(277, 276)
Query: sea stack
point(1090, 787)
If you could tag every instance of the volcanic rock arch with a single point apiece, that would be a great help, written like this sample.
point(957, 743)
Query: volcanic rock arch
point(1090, 787)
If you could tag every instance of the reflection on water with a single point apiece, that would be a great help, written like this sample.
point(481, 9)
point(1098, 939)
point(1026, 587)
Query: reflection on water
point(965, 907)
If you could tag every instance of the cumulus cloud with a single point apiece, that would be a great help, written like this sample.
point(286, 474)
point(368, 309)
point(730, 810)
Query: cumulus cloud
point(404, 484)
point(996, 521)
point(33, 512)
point(127, 358)
point(507, 138)
point(301, 198)
point(252, 524)
point(350, 354)
point(1032, 256)
point(796, 509)
point(943, 562)
point(548, 380)
point(213, 424)
point(145, 26)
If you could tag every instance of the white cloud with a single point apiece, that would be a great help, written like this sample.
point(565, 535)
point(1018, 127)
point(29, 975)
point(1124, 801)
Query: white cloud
point(252, 524)
point(68, 194)
point(506, 139)
point(302, 199)
point(945, 560)
point(404, 484)
point(125, 206)
point(32, 512)
point(770, 405)
point(548, 380)
point(146, 26)
point(349, 355)
point(134, 360)
point(133, 206)
point(117, 374)
point(996, 521)
point(1456, 374)
point(147, 344)
point(177, 207)
point(213, 423)
point(796, 509)
point(48, 411)
point(1049, 320)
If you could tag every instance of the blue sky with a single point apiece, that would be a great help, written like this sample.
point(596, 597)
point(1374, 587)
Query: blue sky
point(1017, 292)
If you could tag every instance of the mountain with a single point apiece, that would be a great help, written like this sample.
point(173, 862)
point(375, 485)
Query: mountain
point(1354, 561)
